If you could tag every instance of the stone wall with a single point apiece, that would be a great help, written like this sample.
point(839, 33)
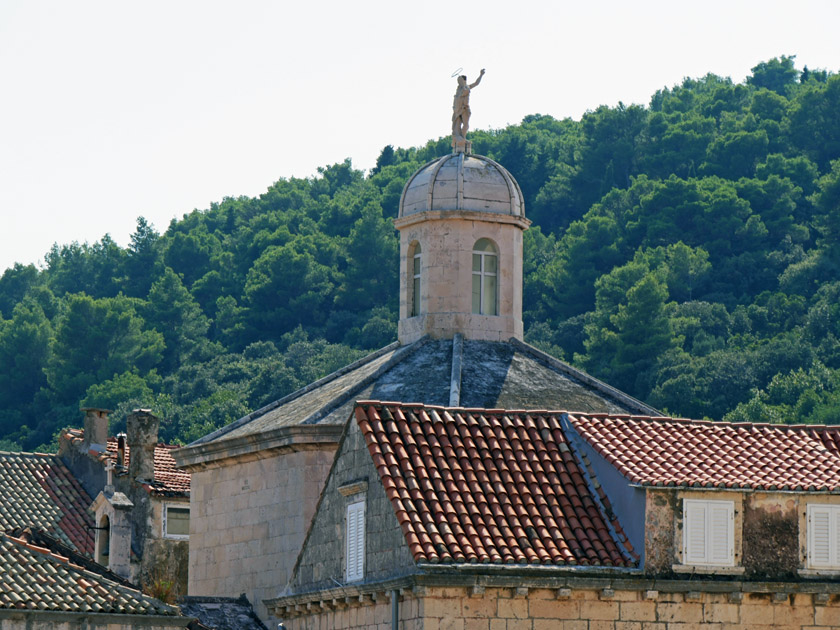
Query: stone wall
point(386, 552)
point(447, 241)
point(248, 521)
point(579, 609)
point(43, 620)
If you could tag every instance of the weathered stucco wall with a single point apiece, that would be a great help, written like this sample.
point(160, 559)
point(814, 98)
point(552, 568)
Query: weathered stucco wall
point(322, 563)
point(248, 521)
point(578, 609)
point(770, 531)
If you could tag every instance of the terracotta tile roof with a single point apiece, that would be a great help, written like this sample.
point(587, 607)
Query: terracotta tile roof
point(33, 578)
point(39, 491)
point(489, 486)
point(169, 480)
point(676, 452)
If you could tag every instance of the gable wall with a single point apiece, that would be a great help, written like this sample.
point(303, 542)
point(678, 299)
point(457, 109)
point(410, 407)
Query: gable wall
point(322, 561)
point(248, 521)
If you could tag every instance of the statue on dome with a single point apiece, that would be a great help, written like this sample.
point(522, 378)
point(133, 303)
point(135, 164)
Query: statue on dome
point(461, 113)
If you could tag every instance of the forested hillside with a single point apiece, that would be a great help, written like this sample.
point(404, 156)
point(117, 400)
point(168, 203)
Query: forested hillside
point(687, 252)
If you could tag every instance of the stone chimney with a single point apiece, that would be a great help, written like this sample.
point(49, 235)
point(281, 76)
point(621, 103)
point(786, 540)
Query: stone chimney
point(142, 436)
point(96, 428)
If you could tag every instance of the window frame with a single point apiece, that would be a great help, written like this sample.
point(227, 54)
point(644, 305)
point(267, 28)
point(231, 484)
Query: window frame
point(415, 278)
point(165, 520)
point(832, 511)
point(355, 540)
point(483, 277)
point(711, 510)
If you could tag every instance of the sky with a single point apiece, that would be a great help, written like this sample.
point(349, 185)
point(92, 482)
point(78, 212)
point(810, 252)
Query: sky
point(114, 110)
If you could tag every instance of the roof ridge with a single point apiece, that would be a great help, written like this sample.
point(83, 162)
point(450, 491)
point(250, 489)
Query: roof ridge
point(300, 392)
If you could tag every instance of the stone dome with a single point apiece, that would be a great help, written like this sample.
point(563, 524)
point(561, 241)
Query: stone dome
point(462, 182)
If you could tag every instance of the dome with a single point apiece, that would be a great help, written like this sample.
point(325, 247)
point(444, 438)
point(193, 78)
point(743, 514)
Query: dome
point(462, 182)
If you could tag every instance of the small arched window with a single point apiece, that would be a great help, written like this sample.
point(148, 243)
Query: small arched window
point(103, 540)
point(485, 263)
point(415, 267)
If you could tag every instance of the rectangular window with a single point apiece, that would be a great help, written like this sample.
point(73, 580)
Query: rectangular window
point(176, 521)
point(824, 536)
point(355, 542)
point(709, 532)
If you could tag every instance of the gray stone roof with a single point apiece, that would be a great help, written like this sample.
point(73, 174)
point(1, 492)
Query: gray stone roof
point(222, 613)
point(491, 375)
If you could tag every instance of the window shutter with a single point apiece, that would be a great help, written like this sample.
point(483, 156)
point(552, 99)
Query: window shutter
point(721, 530)
point(695, 532)
point(355, 541)
point(708, 532)
point(819, 528)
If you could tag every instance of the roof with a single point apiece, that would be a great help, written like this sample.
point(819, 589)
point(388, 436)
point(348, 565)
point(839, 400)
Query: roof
point(490, 486)
point(508, 374)
point(222, 613)
point(33, 578)
point(462, 182)
point(681, 453)
point(169, 480)
point(38, 491)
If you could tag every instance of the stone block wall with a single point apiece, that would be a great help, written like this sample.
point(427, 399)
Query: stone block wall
point(248, 521)
point(322, 562)
point(581, 609)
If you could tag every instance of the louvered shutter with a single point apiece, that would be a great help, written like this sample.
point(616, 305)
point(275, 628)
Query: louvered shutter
point(695, 532)
point(355, 531)
point(721, 518)
point(708, 532)
point(823, 536)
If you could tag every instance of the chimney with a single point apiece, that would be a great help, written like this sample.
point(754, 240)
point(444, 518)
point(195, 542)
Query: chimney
point(121, 450)
point(96, 428)
point(142, 435)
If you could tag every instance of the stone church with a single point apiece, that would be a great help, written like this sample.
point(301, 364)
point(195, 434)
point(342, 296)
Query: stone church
point(439, 483)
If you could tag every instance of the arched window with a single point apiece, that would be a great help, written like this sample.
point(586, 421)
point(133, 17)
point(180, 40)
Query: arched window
point(415, 267)
point(485, 263)
point(103, 540)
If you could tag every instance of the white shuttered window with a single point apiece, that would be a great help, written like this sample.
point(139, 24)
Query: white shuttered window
point(709, 532)
point(824, 536)
point(355, 542)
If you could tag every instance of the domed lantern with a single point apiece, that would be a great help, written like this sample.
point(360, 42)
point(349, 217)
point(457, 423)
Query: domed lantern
point(461, 220)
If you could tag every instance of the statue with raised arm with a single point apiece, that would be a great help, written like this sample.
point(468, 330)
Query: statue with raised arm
point(461, 113)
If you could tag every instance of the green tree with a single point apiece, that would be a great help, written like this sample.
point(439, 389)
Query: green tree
point(96, 339)
point(172, 311)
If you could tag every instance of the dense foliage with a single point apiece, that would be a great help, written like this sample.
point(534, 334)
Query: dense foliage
point(686, 252)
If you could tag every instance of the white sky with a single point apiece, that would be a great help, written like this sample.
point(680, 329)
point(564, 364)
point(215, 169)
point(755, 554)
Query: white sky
point(111, 110)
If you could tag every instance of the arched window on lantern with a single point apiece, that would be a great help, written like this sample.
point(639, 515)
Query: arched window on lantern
point(414, 267)
point(485, 279)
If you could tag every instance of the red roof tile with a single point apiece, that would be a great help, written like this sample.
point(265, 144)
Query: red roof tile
point(169, 479)
point(34, 578)
point(488, 486)
point(39, 491)
point(676, 452)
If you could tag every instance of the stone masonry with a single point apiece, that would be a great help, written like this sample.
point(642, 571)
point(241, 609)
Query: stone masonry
point(569, 608)
point(248, 521)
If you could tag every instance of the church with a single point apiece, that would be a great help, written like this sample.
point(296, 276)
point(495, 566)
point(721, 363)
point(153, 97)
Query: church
point(461, 478)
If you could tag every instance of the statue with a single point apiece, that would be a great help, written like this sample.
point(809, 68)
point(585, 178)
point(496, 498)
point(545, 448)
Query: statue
point(461, 113)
